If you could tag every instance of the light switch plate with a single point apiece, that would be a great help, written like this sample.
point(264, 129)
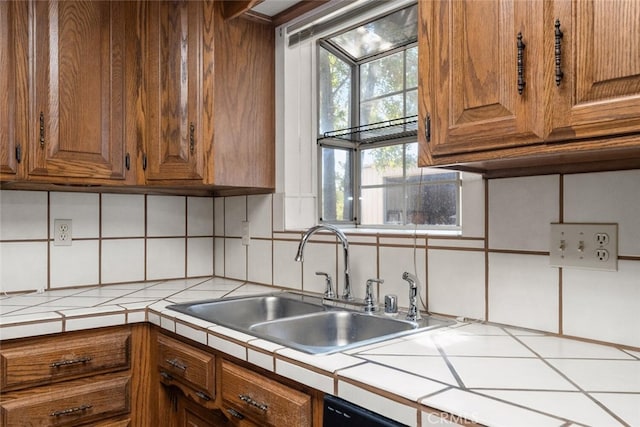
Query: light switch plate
point(587, 246)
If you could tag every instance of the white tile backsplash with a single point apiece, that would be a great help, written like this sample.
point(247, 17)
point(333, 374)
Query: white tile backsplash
point(23, 215)
point(260, 262)
point(259, 214)
point(199, 216)
point(199, 256)
point(81, 208)
point(166, 216)
point(363, 265)
point(393, 262)
point(122, 260)
point(75, 265)
point(520, 211)
point(523, 291)
point(235, 211)
point(286, 271)
point(320, 257)
point(607, 197)
point(165, 258)
point(122, 215)
point(23, 266)
point(218, 216)
point(453, 290)
point(603, 305)
point(235, 259)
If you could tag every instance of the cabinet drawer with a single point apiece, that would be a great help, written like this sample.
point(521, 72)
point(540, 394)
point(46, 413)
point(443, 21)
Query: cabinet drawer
point(46, 360)
point(70, 404)
point(186, 364)
point(266, 401)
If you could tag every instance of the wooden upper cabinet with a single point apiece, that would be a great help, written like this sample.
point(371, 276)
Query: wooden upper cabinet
point(208, 100)
point(599, 57)
point(173, 67)
point(498, 108)
point(470, 49)
point(13, 87)
point(78, 123)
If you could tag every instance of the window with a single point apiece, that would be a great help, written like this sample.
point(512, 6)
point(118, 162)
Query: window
point(368, 150)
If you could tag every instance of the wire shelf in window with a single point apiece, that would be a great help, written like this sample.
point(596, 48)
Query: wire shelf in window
point(376, 132)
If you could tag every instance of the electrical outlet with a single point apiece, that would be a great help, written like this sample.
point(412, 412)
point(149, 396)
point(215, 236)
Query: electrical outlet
point(588, 246)
point(246, 233)
point(62, 235)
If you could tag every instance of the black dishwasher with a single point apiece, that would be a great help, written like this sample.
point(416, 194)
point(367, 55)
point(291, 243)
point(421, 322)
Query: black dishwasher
point(338, 413)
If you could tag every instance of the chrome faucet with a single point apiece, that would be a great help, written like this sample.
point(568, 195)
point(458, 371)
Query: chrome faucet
point(413, 314)
point(345, 246)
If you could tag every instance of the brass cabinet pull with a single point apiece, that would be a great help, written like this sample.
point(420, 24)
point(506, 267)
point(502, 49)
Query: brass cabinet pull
point(246, 398)
point(520, 60)
point(192, 138)
point(69, 362)
point(558, 52)
point(176, 364)
point(70, 411)
point(41, 129)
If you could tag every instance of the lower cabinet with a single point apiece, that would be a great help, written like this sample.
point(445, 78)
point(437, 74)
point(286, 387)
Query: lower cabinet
point(201, 387)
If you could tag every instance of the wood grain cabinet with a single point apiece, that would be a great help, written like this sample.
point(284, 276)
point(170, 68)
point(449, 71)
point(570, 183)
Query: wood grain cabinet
point(13, 87)
point(510, 84)
point(207, 100)
point(62, 380)
point(78, 122)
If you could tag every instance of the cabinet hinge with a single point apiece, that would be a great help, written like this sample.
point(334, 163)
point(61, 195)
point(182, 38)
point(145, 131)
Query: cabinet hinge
point(18, 153)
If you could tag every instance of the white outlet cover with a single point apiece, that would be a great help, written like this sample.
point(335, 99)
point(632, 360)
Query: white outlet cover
point(581, 245)
point(62, 232)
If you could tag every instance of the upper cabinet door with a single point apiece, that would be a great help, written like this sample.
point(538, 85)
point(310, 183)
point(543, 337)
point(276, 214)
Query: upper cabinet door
point(173, 84)
point(485, 90)
point(78, 120)
point(13, 86)
point(599, 93)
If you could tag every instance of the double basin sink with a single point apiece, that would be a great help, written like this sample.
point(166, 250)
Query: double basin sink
point(303, 322)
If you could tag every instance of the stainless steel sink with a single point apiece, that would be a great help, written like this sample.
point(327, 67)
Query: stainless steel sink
point(302, 322)
point(242, 312)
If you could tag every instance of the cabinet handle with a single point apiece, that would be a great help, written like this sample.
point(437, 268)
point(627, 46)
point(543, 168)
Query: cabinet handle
point(246, 398)
point(41, 129)
point(192, 138)
point(559, 34)
point(521, 83)
point(18, 153)
point(235, 414)
point(127, 161)
point(202, 395)
point(176, 364)
point(70, 411)
point(166, 375)
point(69, 362)
point(427, 127)
point(144, 162)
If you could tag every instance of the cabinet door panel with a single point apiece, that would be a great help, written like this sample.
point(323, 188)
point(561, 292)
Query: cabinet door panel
point(476, 101)
point(601, 91)
point(173, 81)
point(78, 121)
point(13, 84)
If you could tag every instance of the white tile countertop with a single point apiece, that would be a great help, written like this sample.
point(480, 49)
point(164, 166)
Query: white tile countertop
point(489, 374)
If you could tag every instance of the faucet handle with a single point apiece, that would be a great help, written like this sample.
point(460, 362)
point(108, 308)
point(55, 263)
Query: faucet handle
point(369, 300)
point(328, 291)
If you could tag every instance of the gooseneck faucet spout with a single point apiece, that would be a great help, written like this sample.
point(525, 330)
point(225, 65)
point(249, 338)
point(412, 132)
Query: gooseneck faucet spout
point(413, 313)
point(345, 248)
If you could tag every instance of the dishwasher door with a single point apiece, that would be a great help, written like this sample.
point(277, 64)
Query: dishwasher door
point(340, 413)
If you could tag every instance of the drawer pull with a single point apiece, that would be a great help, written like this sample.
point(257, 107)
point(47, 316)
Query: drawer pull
point(166, 376)
point(235, 414)
point(202, 395)
point(70, 411)
point(69, 362)
point(176, 364)
point(250, 401)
